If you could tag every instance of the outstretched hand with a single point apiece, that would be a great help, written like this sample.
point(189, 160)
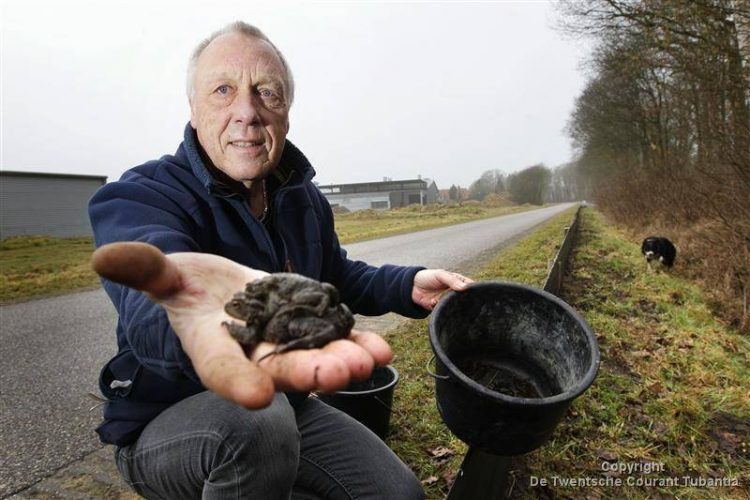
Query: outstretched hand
point(193, 288)
point(430, 284)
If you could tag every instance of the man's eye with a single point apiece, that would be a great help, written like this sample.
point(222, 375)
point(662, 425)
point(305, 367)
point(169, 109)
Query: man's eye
point(222, 89)
point(266, 93)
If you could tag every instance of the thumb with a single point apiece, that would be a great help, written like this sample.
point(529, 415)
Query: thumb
point(137, 265)
point(237, 379)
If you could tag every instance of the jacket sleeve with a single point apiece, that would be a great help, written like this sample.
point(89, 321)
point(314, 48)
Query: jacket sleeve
point(138, 208)
point(366, 289)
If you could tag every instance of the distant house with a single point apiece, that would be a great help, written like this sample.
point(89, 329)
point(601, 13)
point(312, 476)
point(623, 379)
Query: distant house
point(381, 195)
point(46, 204)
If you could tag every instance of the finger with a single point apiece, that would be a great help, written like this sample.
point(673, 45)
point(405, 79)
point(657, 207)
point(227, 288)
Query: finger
point(373, 344)
point(359, 362)
point(465, 279)
point(137, 265)
point(222, 366)
point(455, 281)
point(238, 380)
point(304, 370)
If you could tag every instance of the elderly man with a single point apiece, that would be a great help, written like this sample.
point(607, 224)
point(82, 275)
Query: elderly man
point(192, 414)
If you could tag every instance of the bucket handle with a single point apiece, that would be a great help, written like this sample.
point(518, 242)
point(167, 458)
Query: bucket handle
point(432, 374)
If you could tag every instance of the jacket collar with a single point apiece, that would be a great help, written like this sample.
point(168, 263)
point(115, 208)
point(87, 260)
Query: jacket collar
point(294, 168)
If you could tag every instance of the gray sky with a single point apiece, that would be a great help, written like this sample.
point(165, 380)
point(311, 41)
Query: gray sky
point(439, 89)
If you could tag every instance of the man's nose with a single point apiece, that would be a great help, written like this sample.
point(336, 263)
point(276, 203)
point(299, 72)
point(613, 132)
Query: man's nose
point(245, 109)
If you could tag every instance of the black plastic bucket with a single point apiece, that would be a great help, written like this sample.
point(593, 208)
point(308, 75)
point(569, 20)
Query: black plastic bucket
point(509, 360)
point(368, 401)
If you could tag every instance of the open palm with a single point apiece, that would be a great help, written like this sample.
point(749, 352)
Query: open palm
point(193, 288)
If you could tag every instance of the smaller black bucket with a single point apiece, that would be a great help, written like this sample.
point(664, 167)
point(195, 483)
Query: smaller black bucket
point(510, 359)
point(368, 401)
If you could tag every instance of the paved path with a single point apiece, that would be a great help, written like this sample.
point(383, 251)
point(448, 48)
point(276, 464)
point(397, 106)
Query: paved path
point(52, 349)
point(452, 247)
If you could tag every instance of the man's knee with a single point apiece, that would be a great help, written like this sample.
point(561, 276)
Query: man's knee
point(266, 432)
point(258, 450)
point(208, 446)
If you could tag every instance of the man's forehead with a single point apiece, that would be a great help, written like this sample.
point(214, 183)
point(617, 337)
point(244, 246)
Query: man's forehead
point(239, 44)
point(236, 49)
point(234, 72)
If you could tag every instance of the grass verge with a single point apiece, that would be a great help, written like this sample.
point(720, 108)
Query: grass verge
point(671, 399)
point(34, 266)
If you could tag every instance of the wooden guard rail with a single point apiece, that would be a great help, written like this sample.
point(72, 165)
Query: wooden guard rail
point(556, 272)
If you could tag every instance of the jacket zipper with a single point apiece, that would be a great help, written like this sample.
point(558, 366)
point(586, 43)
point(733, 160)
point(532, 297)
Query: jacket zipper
point(288, 268)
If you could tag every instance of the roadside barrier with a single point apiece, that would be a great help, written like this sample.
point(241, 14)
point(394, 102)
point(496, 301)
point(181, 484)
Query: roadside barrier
point(557, 267)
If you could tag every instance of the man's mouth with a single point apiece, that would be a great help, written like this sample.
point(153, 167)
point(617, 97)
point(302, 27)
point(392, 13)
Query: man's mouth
point(246, 144)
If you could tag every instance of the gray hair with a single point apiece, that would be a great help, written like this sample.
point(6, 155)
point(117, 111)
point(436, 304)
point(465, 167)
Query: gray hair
point(244, 29)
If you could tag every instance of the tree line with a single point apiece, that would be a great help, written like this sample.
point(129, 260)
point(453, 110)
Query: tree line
point(536, 185)
point(661, 133)
point(662, 127)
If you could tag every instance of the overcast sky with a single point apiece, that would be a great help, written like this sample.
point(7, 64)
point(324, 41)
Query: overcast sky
point(438, 89)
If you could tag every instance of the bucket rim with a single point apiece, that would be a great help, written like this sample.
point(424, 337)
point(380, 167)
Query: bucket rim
point(454, 372)
point(382, 388)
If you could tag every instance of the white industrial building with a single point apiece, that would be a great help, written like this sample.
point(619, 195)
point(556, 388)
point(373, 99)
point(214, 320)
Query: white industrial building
point(381, 195)
point(34, 203)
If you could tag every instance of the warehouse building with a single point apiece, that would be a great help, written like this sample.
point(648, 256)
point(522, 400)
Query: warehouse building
point(381, 195)
point(46, 204)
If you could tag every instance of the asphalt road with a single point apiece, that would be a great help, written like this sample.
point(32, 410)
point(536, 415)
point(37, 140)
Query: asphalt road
point(457, 247)
point(51, 350)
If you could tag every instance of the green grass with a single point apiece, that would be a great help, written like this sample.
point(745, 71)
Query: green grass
point(33, 266)
point(672, 388)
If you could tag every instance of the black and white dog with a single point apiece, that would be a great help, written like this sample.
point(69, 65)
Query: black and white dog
point(660, 249)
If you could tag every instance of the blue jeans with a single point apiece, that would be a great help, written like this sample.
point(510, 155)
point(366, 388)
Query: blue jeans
point(207, 447)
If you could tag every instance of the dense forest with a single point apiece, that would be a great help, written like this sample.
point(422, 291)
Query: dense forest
point(662, 133)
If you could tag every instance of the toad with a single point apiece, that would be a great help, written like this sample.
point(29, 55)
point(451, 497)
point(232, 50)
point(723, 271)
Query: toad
point(290, 310)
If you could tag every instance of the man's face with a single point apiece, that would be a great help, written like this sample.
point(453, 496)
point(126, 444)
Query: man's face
point(239, 106)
